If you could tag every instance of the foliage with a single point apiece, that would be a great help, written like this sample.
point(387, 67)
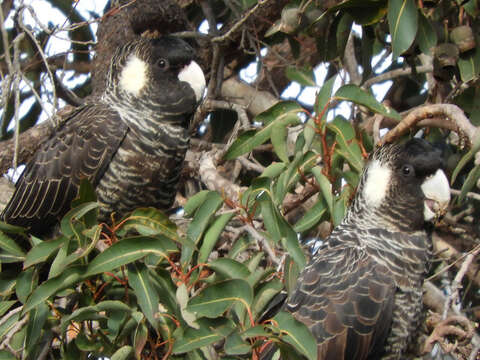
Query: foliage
point(146, 287)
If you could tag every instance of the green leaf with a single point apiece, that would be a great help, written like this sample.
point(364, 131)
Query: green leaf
point(427, 36)
point(469, 65)
point(215, 299)
point(140, 339)
point(67, 224)
point(26, 282)
point(403, 22)
point(235, 345)
point(212, 235)
point(5, 305)
point(364, 12)
point(182, 300)
point(6, 355)
point(348, 146)
point(10, 246)
point(52, 286)
point(193, 339)
point(299, 167)
point(325, 187)
point(41, 252)
point(195, 201)
point(465, 159)
point(150, 221)
point(124, 353)
point(359, 96)
point(229, 268)
point(311, 217)
point(279, 140)
point(285, 112)
point(147, 297)
point(297, 334)
point(265, 294)
point(205, 212)
point(36, 321)
point(292, 271)
point(273, 170)
point(470, 182)
point(59, 264)
point(292, 244)
point(323, 97)
point(127, 251)
point(94, 312)
point(303, 76)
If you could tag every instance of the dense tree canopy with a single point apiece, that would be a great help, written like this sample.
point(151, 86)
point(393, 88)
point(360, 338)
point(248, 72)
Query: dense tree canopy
point(272, 166)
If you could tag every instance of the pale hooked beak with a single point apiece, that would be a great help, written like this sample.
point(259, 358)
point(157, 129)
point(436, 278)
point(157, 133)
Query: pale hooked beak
point(437, 195)
point(193, 74)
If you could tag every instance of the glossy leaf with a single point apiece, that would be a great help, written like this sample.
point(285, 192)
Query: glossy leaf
point(304, 76)
point(403, 23)
point(147, 297)
point(150, 221)
point(359, 96)
point(427, 36)
point(26, 283)
point(297, 334)
point(265, 294)
point(465, 159)
point(235, 345)
point(42, 251)
point(123, 353)
point(348, 146)
point(193, 339)
point(74, 215)
point(127, 251)
point(95, 312)
point(311, 217)
point(195, 201)
point(469, 65)
point(229, 268)
point(52, 286)
point(205, 212)
point(472, 178)
point(219, 297)
point(140, 339)
point(36, 321)
point(10, 246)
point(212, 235)
point(284, 112)
point(279, 140)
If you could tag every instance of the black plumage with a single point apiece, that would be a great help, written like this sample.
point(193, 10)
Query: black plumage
point(361, 293)
point(130, 142)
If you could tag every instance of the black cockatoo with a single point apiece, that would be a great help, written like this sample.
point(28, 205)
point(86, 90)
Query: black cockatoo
point(130, 142)
point(361, 293)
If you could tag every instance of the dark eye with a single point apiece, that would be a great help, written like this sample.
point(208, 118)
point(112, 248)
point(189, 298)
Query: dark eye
point(407, 170)
point(162, 63)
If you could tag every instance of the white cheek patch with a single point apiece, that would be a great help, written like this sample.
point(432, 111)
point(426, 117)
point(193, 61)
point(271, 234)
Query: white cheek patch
point(376, 185)
point(193, 74)
point(134, 75)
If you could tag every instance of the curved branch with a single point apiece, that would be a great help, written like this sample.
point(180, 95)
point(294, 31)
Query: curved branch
point(448, 116)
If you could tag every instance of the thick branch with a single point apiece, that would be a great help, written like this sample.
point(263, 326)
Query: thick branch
point(448, 114)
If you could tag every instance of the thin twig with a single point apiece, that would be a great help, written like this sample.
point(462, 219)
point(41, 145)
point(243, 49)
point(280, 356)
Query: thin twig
point(457, 281)
point(396, 73)
point(264, 243)
point(471, 195)
point(238, 24)
point(16, 88)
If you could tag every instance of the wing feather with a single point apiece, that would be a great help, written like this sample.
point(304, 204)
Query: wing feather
point(81, 148)
point(346, 299)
